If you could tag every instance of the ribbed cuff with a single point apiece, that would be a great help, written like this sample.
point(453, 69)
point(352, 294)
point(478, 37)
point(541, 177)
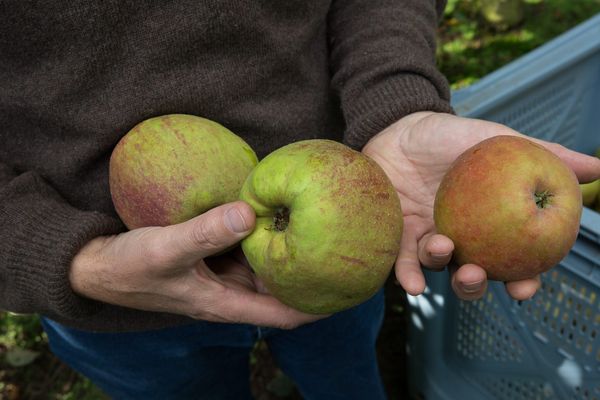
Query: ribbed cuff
point(381, 105)
point(39, 251)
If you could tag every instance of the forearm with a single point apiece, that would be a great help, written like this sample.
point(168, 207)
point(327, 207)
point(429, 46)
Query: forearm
point(39, 236)
point(383, 63)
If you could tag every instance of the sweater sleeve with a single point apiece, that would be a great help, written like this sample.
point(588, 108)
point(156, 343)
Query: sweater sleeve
point(39, 235)
point(383, 62)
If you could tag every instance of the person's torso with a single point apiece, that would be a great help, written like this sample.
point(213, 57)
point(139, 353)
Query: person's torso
point(76, 76)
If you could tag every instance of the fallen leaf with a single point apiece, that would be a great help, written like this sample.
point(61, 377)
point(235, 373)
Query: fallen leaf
point(19, 357)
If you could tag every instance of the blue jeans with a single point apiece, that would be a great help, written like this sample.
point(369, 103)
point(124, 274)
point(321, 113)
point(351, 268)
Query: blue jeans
point(333, 358)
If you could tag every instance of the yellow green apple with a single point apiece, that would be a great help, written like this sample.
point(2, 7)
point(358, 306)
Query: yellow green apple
point(598, 198)
point(510, 206)
point(170, 168)
point(590, 192)
point(328, 226)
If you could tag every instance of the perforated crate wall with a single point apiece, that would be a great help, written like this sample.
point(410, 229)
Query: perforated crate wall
point(499, 348)
point(546, 348)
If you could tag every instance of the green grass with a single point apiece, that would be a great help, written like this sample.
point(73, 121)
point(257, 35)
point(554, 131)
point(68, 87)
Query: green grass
point(29, 371)
point(470, 48)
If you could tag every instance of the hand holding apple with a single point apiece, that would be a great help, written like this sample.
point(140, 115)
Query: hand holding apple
point(173, 180)
point(328, 225)
point(415, 152)
point(510, 206)
point(170, 269)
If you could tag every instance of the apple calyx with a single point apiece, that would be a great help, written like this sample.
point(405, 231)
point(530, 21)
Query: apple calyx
point(542, 199)
point(281, 219)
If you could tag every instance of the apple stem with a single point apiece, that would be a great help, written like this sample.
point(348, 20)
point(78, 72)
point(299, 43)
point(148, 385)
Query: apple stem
point(282, 219)
point(542, 199)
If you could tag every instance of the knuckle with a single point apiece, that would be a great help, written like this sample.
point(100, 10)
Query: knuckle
point(204, 312)
point(288, 325)
point(198, 314)
point(289, 321)
point(207, 306)
point(151, 248)
point(205, 235)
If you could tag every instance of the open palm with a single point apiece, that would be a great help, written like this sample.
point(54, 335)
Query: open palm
point(415, 153)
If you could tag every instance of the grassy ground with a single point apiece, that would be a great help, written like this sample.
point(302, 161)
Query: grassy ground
point(469, 49)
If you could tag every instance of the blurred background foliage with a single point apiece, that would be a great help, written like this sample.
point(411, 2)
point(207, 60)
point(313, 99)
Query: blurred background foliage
point(475, 38)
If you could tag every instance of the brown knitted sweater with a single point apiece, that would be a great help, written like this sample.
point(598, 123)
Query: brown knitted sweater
point(77, 75)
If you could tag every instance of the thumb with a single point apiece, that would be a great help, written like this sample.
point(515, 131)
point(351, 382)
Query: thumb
point(211, 232)
point(586, 167)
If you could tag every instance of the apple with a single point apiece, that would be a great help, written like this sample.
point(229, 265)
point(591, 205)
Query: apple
point(328, 226)
point(590, 192)
point(597, 208)
point(510, 206)
point(170, 168)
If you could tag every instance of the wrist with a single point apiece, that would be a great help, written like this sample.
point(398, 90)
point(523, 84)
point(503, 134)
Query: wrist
point(389, 101)
point(395, 133)
point(85, 268)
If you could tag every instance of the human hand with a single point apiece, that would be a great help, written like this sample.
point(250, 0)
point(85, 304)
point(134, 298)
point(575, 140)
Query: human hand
point(168, 269)
point(415, 153)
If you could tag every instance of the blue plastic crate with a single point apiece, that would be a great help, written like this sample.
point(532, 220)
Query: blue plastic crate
point(547, 347)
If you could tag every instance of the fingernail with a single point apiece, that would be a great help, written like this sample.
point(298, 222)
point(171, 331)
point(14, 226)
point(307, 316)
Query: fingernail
point(234, 221)
point(471, 287)
point(438, 256)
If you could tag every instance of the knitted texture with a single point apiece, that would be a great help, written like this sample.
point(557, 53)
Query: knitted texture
point(76, 76)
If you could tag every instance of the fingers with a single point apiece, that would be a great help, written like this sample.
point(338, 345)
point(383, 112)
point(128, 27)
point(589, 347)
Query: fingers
point(523, 290)
point(430, 250)
point(586, 167)
point(241, 297)
point(435, 251)
point(407, 266)
point(469, 281)
point(261, 310)
point(209, 233)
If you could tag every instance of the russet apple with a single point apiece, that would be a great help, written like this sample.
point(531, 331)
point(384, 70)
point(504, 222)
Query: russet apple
point(328, 226)
point(510, 206)
point(170, 168)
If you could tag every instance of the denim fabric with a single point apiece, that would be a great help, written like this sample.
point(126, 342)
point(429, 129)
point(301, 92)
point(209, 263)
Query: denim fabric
point(333, 358)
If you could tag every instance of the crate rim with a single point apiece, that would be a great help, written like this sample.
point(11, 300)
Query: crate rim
point(529, 69)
